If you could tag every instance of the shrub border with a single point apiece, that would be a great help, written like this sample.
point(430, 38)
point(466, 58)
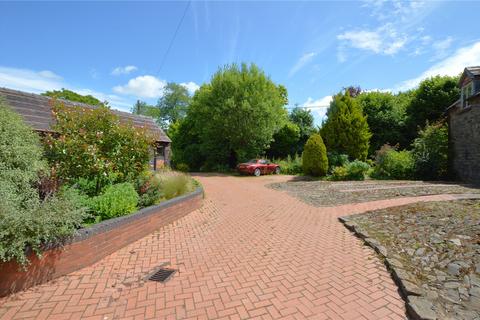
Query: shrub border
point(76, 252)
point(110, 224)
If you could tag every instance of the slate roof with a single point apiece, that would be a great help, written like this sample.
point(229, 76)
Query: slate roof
point(471, 72)
point(36, 111)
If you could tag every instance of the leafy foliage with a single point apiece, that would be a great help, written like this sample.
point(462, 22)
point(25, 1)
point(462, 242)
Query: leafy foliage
point(20, 157)
point(430, 152)
point(173, 104)
point(429, 102)
point(385, 114)
point(355, 170)
point(117, 200)
point(290, 165)
point(26, 220)
point(144, 109)
point(303, 118)
point(92, 144)
point(72, 96)
point(285, 141)
point(336, 160)
point(231, 119)
point(393, 164)
point(148, 186)
point(314, 157)
point(346, 129)
point(182, 167)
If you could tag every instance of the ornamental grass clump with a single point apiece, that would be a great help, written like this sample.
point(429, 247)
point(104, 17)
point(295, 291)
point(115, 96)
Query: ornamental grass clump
point(174, 185)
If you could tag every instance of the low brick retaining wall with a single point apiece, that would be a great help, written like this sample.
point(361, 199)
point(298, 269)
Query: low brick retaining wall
point(91, 244)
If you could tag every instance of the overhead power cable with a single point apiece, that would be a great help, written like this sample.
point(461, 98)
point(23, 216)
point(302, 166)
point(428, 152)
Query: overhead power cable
point(173, 38)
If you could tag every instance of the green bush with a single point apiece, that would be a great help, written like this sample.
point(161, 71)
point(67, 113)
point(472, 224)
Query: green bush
point(314, 157)
point(355, 170)
point(339, 174)
point(148, 186)
point(26, 220)
point(393, 164)
point(117, 200)
point(430, 152)
point(93, 144)
point(35, 225)
point(290, 165)
point(183, 167)
point(346, 130)
point(336, 160)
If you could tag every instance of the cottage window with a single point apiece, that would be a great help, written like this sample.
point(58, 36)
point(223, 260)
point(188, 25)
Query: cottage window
point(467, 92)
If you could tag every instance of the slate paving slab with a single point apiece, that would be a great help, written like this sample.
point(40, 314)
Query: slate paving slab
point(328, 193)
point(433, 252)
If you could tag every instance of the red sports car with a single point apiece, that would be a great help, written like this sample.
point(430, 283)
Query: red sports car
point(258, 167)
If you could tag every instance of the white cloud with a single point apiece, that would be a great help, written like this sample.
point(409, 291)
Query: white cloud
point(441, 47)
point(367, 40)
point(318, 107)
point(396, 27)
point(124, 70)
point(401, 10)
point(384, 40)
point(146, 86)
point(303, 61)
point(41, 81)
point(191, 86)
point(451, 66)
point(29, 80)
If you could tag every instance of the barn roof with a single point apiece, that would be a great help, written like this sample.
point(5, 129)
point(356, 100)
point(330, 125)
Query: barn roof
point(471, 72)
point(36, 111)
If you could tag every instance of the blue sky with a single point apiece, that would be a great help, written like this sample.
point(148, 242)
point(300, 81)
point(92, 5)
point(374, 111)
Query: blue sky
point(114, 50)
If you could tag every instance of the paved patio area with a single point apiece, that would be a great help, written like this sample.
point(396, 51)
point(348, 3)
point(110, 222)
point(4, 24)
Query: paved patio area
point(250, 252)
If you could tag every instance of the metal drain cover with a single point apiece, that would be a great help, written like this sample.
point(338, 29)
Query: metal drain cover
point(162, 275)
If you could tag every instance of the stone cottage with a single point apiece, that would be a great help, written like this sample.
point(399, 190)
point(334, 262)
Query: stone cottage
point(464, 128)
point(36, 111)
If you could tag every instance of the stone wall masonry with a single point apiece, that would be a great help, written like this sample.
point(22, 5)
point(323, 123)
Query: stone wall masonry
point(464, 144)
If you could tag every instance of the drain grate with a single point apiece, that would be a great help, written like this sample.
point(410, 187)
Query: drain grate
point(162, 275)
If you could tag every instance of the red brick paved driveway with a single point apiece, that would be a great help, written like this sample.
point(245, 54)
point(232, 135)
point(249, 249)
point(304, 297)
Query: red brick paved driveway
point(250, 252)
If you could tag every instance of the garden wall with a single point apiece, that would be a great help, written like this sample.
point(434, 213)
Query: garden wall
point(91, 244)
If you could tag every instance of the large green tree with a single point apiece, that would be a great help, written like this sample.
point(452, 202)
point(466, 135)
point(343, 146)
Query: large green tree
point(385, 114)
point(233, 117)
point(285, 141)
point(303, 118)
point(72, 96)
point(173, 104)
point(346, 129)
point(429, 102)
point(143, 108)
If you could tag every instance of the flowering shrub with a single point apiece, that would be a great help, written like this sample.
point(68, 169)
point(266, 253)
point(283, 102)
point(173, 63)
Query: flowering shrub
point(93, 144)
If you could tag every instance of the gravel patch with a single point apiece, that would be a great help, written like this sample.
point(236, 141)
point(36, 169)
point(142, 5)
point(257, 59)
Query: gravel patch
point(433, 252)
point(327, 193)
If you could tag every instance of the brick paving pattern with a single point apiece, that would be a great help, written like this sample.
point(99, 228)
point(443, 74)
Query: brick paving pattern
point(249, 253)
